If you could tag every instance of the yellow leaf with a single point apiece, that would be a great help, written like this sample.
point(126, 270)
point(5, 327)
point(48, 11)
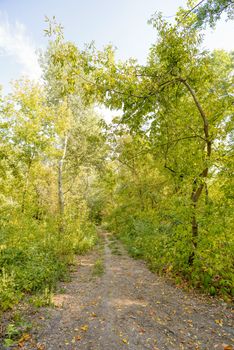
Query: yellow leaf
point(84, 328)
point(40, 346)
point(219, 322)
point(25, 337)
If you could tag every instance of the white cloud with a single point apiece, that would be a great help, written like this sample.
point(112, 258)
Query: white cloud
point(15, 42)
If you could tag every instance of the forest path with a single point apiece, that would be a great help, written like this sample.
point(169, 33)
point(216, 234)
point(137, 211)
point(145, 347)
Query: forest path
point(114, 302)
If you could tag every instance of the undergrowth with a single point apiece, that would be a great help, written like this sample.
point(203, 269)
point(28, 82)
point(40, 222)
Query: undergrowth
point(34, 256)
point(165, 243)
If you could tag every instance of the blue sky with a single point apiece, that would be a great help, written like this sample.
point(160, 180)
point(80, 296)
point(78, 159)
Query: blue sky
point(122, 23)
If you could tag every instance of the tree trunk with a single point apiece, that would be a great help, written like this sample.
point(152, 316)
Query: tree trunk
point(60, 186)
point(198, 185)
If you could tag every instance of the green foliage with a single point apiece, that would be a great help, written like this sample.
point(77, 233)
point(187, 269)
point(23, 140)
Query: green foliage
point(42, 299)
point(166, 191)
point(51, 147)
point(8, 294)
point(160, 176)
point(210, 11)
point(164, 241)
point(15, 330)
point(34, 257)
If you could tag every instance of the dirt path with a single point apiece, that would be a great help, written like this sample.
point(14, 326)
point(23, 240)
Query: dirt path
point(127, 307)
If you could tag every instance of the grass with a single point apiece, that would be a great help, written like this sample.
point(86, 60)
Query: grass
point(98, 268)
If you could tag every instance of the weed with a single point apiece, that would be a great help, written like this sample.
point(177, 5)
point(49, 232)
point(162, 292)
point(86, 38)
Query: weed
point(42, 299)
point(98, 268)
point(15, 329)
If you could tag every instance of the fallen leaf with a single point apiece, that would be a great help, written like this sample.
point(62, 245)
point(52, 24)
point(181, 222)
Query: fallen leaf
point(84, 328)
point(142, 330)
point(25, 337)
point(40, 346)
point(219, 322)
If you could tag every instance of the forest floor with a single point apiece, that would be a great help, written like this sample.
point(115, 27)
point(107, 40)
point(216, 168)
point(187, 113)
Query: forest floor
point(114, 302)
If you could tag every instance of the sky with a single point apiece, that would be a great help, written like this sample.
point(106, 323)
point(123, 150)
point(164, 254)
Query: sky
point(120, 22)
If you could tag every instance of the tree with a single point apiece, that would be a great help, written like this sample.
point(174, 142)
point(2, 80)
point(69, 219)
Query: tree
point(28, 130)
point(209, 11)
point(184, 96)
point(79, 141)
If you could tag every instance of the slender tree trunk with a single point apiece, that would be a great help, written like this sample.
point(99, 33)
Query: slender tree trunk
point(60, 186)
point(198, 184)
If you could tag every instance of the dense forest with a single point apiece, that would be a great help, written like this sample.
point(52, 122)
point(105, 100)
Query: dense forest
point(160, 176)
